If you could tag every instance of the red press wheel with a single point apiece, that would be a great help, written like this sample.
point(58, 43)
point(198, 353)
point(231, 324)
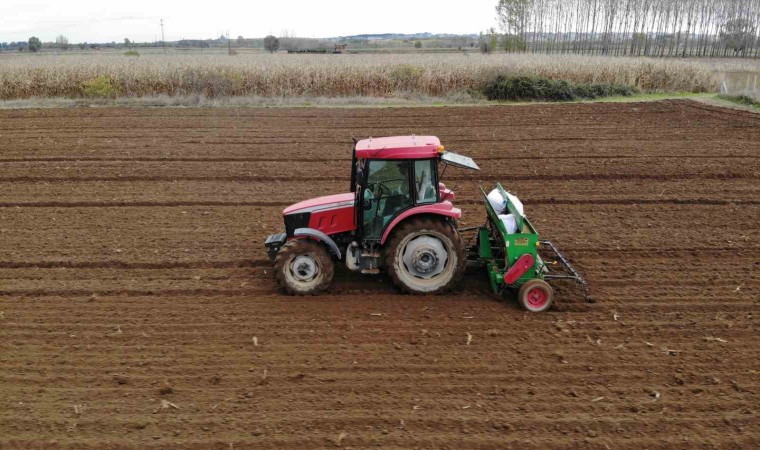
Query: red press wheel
point(535, 296)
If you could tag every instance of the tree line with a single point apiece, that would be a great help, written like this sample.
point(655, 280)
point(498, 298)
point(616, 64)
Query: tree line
point(271, 43)
point(34, 44)
point(704, 28)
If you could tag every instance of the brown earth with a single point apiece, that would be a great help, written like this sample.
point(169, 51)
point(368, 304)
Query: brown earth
point(132, 274)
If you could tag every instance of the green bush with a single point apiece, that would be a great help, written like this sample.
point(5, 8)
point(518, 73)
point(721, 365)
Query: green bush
point(539, 88)
point(132, 53)
point(406, 73)
point(741, 99)
point(100, 87)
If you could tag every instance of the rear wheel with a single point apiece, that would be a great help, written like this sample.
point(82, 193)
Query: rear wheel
point(535, 296)
point(425, 256)
point(303, 267)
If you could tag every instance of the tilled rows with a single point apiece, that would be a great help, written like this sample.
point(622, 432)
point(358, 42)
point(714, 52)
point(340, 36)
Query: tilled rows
point(196, 234)
point(544, 169)
point(70, 193)
point(138, 307)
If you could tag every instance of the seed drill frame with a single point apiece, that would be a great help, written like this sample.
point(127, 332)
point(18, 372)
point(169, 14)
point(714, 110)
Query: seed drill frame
point(514, 259)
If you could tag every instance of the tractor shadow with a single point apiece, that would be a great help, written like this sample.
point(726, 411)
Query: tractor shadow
point(474, 285)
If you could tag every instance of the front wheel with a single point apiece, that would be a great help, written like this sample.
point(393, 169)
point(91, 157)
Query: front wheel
point(425, 256)
point(303, 267)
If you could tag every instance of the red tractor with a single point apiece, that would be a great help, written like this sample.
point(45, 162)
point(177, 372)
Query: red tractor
point(397, 216)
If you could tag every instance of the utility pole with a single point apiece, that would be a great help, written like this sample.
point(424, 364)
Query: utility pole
point(163, 39)
point(229, 44)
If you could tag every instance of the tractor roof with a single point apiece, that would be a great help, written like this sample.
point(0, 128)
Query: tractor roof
point(398, 147)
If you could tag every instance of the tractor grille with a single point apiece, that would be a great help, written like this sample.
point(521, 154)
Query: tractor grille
point(296, 221)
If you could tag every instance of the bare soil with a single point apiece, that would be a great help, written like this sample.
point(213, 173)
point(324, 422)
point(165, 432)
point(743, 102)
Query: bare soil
point(138, 308)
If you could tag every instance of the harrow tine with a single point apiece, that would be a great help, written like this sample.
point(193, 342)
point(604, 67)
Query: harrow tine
point(573, 274)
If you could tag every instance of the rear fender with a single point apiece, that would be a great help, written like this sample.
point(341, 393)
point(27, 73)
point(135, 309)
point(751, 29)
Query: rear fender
point(318, 236)
point(444, 209)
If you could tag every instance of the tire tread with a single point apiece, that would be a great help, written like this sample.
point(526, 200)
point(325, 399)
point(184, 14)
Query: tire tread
point(425, 223)
point(298, 247)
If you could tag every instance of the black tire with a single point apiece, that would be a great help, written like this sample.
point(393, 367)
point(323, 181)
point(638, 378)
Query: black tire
point(453, 268)
point(535, 296)
point(314, 257)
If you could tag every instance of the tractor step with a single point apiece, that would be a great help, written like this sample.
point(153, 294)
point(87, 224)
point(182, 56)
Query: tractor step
point(370, 262)
point(273, 244)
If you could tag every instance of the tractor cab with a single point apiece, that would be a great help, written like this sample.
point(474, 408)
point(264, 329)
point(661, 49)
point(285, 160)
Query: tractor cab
point(394, 174)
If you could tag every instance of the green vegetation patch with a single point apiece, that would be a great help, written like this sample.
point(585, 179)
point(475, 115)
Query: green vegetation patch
point(100, 87)
point(406, 73)
point(741, 99)
point(132, 53)
point(544, 89)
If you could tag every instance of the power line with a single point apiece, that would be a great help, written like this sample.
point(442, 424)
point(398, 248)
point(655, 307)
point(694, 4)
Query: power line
point(163, 38)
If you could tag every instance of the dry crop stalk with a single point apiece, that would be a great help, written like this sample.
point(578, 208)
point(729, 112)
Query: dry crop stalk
point(24, 76)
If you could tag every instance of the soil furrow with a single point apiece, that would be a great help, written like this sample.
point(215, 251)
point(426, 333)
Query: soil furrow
point(132, 274)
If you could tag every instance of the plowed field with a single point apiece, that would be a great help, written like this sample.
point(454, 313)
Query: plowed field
point(138, 308)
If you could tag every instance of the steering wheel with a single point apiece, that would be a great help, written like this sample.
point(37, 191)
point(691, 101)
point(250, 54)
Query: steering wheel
point(384, 192)
point(383, 188)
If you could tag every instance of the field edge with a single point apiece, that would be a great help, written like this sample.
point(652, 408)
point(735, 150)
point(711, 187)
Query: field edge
point(200, 101)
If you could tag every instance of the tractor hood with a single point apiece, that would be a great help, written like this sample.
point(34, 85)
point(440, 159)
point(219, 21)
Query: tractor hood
point(321, 204)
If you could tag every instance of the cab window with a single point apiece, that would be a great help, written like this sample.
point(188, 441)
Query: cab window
point(424, 181)
point(386, 193)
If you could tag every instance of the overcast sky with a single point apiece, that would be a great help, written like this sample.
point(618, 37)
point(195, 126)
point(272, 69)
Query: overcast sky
point(138, 20)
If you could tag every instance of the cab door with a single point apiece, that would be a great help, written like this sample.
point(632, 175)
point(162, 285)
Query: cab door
point(386, 192)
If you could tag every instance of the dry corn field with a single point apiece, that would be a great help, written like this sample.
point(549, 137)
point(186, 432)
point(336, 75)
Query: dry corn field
point(443, 75)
